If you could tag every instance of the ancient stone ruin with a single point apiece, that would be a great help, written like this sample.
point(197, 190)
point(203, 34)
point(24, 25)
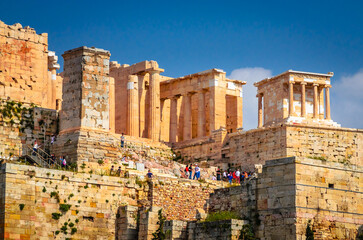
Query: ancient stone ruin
point(307, 168)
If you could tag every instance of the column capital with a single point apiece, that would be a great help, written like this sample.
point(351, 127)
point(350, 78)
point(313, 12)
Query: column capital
point(303, 83)
point(175, 96)
point(259, 94)
point(327, 86)
point(292, 82)
point(154, 70)
point(315, 84)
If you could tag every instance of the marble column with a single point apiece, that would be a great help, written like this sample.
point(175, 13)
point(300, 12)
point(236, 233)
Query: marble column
point(201, 114)
point(173, 119)
point(259, 109)
point(327, 102)
point(303, 100)
point(316, 106)
point(154, 114)
point(187, 129)
point(321, 102)
point(291, 98)
point(132, 127)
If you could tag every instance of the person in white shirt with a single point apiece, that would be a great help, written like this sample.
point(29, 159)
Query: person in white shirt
point(238, 175)
point(196, 172)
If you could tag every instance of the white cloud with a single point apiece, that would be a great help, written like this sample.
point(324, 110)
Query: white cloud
point(347, 100)
point(251, 75)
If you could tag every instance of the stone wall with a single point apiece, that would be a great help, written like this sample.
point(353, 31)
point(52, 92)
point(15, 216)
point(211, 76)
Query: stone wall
point(223, 230)
point(244, 150)
point(289, 192)
point(180, 198)
point(207, 148)
point(86, 89)
point(94, 202)
point(24, 74)
point(259, 145)
point(22, 124)
point(331, 196)
point(343, 145)
point(238, 199)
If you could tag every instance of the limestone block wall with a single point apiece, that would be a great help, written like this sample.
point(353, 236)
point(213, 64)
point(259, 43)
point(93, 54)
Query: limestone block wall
point(176, 230)
point(24, 74)
point(330, 194)
point(259, 145)
point(89, 146)
point(244, 150)
point(180, 198)
point(224, 230)
point(22, 124)
point(207, 148)
point(127, 223)
point(343, 145)
point(86, 89)
point(241, 200)
point(94, 200)
point(276, 200)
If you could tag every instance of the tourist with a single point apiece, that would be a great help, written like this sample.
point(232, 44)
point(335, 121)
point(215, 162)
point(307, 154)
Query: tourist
point(214, 178)
point(224, 176)
point(52, 139)
point(246, 175)
point(64, 162)
point(186, 170)
point(122, 140)
point(118, 172)
point(149, 174)
point(111, 170)
point(196, 172)
point(238, 175)
point(218, 174)
point(230, 177)
point(190, 171)
point(35, 147)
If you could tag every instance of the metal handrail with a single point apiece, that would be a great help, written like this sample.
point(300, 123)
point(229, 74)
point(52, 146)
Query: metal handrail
point(44, 158)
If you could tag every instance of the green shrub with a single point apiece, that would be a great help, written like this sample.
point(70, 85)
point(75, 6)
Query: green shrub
point(55, 195)
point(159, 234)
point(101, 162)
point(64, 207)
point(56, 216)
point(247, 233)
point(44, 189)
point(309, 231)
point(73, 231)
point(223, 215)
point(21, 206)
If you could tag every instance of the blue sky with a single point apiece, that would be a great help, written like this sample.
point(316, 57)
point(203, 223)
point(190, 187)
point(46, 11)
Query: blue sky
point(191, 36)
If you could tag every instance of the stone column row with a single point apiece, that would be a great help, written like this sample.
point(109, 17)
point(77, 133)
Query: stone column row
point(187, 113)
point(315, 100)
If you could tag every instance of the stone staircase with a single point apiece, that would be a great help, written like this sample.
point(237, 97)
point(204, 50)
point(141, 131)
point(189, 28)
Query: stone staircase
point(40, 157)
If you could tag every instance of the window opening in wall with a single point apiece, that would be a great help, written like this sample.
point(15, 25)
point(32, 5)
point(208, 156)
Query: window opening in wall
point(88, 218)
point(331, 185)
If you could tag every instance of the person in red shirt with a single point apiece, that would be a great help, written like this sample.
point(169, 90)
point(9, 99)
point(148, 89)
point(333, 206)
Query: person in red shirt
point(186, 171)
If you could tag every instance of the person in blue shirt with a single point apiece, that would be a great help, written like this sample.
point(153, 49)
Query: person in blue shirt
point(149, 174)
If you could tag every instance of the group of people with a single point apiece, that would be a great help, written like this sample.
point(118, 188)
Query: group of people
point(189, 170)
point(232, 176)
point(114, 172)
point(52, 159)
